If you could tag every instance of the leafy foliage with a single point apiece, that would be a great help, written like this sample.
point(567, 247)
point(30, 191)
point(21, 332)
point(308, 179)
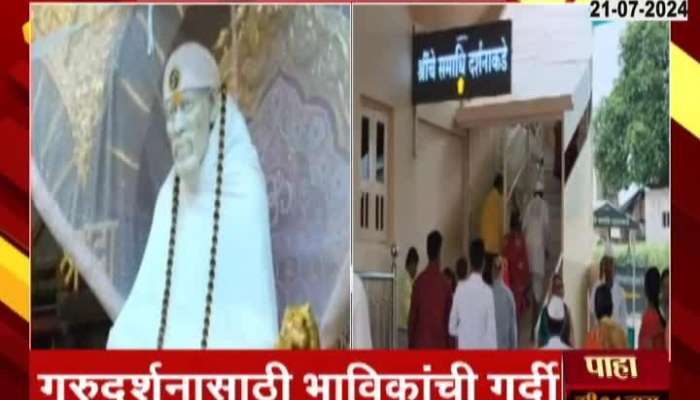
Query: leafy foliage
point(631, 124)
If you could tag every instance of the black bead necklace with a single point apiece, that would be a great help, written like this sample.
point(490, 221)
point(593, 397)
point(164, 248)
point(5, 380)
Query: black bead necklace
point(214, 239)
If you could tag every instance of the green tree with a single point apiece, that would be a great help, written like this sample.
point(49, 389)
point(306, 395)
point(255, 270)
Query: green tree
point(631, 124)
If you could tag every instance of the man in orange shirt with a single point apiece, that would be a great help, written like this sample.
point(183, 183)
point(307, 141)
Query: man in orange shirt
point(608, 334)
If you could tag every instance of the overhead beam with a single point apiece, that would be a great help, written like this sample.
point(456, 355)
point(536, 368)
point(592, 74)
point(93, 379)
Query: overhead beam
point(516, 111)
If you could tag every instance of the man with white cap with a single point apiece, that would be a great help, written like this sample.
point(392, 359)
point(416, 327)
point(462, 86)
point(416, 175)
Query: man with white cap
point(556, 315)
point(536, 227)
point(206, 277)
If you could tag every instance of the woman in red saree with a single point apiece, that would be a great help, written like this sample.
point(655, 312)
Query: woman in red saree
point(517, 275)
point(652, 332)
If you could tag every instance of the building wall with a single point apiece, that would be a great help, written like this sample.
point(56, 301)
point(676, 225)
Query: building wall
point(579, 239)
point(427, 188)
point(656, 203)
point(438, 194)
point(484, 162)
point(579, 234)
point(639, 214)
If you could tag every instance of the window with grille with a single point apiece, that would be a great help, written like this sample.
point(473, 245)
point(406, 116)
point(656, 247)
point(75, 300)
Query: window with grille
point(373, 207)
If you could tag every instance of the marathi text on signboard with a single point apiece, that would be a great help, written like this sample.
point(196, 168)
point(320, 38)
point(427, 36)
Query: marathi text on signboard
point(462, 63)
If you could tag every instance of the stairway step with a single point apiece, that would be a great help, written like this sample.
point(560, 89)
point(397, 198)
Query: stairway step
point(45, 285)
point(44, 292)
point(39, 310)
point(43, 275)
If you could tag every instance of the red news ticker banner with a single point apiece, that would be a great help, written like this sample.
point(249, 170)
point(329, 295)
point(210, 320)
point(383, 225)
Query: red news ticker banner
point(616, 375)
point(294, 375)
point(225, 375)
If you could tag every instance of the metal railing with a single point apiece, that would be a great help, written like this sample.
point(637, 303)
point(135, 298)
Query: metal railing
point(381, 296)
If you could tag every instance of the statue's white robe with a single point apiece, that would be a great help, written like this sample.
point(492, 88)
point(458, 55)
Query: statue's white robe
point(244, 309)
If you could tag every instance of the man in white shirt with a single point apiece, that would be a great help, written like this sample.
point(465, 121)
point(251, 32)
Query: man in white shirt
point(555, 320)
point(607, 271)
point(536, 228)
point(473, 313)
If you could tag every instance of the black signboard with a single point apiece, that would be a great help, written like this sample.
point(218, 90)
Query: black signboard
point(463, 62)
point(607, 216)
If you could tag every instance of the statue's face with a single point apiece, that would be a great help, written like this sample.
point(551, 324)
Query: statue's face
point(187, 123)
